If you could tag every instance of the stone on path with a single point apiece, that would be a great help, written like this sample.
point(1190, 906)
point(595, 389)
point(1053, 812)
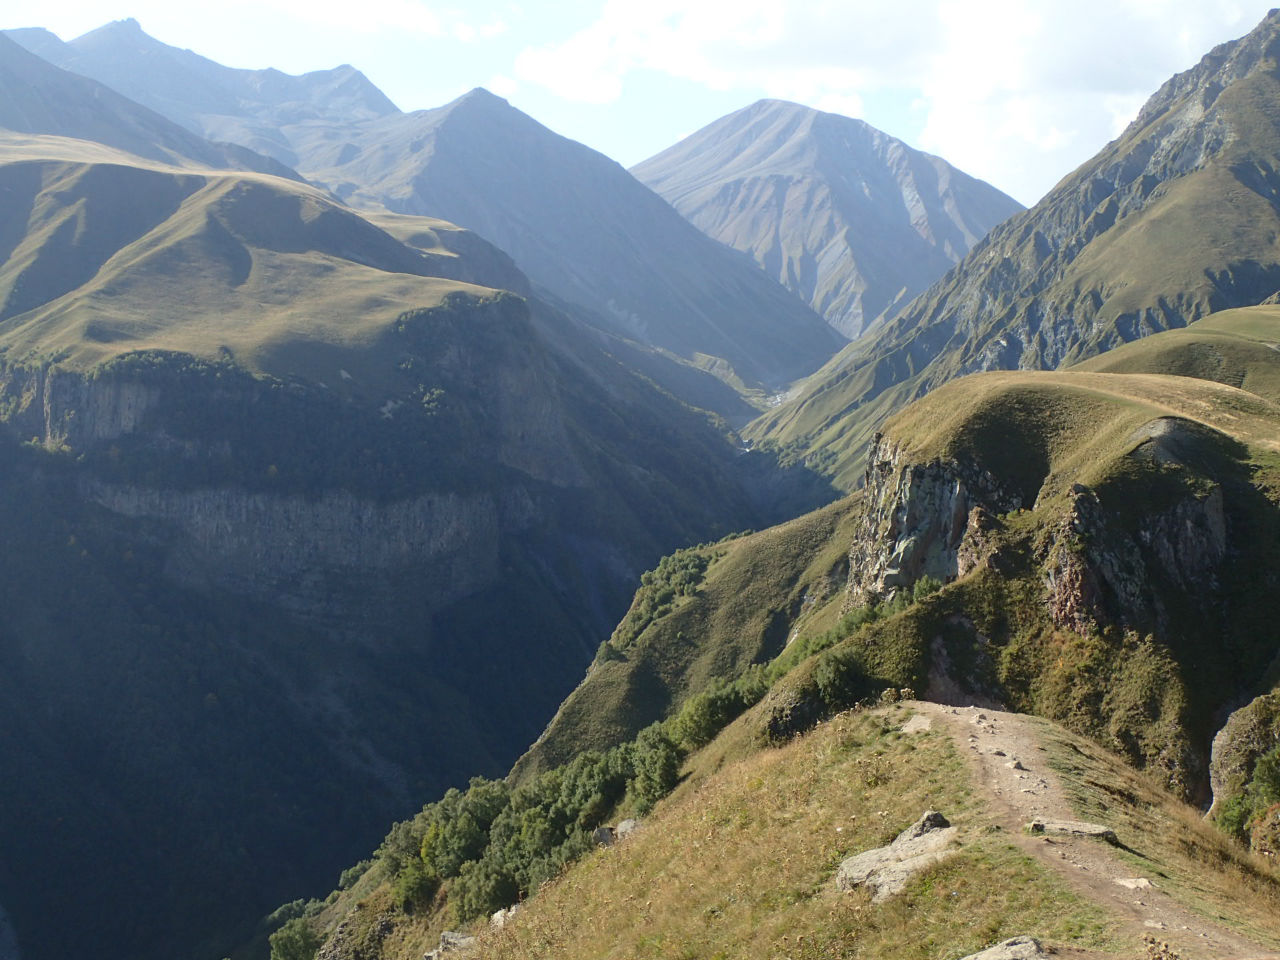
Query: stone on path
point(1073, 828)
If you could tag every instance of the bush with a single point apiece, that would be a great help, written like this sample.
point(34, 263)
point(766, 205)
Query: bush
point(840, 680)
point(294, 941)
point(656, 760)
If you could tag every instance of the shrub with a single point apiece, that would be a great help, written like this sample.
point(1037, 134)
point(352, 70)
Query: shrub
point(294, 941)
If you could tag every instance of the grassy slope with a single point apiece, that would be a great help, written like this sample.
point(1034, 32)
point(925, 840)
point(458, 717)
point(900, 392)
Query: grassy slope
point(115, 258)
point(739, 857)
point(757, 591)
point(739, 861)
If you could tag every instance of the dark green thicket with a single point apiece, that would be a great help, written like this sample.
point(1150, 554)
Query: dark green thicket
point(492, 844)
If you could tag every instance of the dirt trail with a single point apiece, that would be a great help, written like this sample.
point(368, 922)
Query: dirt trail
point(1012, 766)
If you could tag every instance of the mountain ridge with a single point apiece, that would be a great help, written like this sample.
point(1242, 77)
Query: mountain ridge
point(849, 218)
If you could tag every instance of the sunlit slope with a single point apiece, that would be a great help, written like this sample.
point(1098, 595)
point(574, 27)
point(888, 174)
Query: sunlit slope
point(1240, 348)
point(740, 861)
point(1175, 219)
point(745, 596)
point(105, 258)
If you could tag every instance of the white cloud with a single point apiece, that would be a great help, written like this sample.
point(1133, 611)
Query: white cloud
point(1015, 91)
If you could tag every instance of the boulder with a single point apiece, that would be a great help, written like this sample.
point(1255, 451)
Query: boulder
point(1019, 948)
point(625, 828)
point(500, 918)
point(886, 870)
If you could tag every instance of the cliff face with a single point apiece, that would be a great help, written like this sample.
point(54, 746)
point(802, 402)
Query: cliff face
point(350, 594)
point(1089, 587)
point(920, 520)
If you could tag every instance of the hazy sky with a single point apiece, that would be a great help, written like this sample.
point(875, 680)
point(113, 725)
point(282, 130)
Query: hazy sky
point(1017, 92)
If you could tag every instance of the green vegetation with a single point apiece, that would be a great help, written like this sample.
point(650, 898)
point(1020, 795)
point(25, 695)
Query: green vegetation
point(676, 575)
point(750, 593)
point(740, 864)
point(1261, 791)
point(491, 845)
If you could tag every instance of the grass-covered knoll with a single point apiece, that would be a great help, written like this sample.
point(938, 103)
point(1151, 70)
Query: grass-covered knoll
point(704, 615)
point(741, 864)
point(1073, 425)
point(1240, 348)
point(104, 258)
point(1172, 221)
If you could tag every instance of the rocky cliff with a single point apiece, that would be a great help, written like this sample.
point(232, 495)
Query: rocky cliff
point(1077, 536)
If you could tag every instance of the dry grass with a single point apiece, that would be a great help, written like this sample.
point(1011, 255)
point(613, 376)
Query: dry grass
point(1169, 841)
point(741, 864)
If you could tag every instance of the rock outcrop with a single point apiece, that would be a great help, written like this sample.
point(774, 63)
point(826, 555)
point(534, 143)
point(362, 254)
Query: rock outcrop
point(886, 870)
point(1249, 733)
point(1017, 948)
point(920, 519)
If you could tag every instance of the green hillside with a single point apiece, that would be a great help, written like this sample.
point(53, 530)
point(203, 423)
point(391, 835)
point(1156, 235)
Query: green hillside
point(1093, 548)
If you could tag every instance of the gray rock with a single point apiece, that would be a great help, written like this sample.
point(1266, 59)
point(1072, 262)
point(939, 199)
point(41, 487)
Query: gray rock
point(886, 870)
point(1018, 948)
point(1073, 828)
point(625, 828)
point(501, 917)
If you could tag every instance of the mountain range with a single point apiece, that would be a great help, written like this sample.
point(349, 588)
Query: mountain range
point(339, 443)
point(1174, 219)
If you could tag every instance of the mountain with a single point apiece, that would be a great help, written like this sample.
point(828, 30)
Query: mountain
point(584, 231)
point(1073, 570)
point(305, 523)
point(1175, 219)
point(41, 99)
point(851, 220)
point(261, 109)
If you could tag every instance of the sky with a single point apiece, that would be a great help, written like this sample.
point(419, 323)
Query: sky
point(1016, 92)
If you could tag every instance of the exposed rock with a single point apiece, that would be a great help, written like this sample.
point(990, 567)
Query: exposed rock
point(451, 944)
point(1133, 883)
point(1248, 733)
point(1018, 948)
point(917, 519)
point(501, 917)
point(886, 870)
point(918, 723)
point(1073, 828)
point(626, 827)
point(1097, 574)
